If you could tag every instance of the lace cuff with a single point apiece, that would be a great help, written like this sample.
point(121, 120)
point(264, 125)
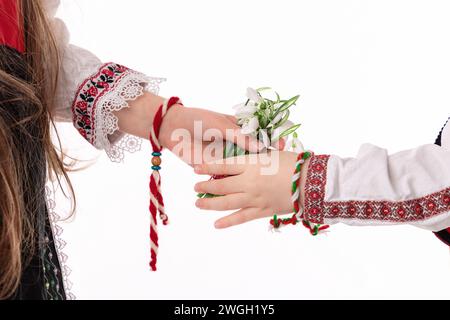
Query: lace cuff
point(110, 89)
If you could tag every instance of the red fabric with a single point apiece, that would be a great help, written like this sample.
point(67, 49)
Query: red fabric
point(11, 32)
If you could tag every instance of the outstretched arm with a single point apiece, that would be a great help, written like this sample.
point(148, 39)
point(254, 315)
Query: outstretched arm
point(373, 188)
point(113, 106)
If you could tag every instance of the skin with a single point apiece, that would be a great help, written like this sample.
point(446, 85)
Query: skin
point(252, 194)
point(138, 119)
point(256, 195)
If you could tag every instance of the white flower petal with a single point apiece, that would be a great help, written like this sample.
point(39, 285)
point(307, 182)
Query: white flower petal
point(250, 126)
point(253, 95)
point(243, 105)
point(264, 138)
point(246, 111)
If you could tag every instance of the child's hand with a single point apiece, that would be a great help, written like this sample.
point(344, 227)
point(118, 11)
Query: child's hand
point(196, 122)
point(185, 131)
point(259, 185)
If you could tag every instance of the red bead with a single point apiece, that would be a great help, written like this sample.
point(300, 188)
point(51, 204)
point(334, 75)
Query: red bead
point(156, 161)
point(369, 210)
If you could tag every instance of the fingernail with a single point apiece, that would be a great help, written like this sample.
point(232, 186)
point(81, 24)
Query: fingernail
point(217, 225)
point(198, 203)
point(197, 169)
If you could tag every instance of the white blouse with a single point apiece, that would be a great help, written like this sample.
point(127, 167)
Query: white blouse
point(375, 188)
point(90, 90)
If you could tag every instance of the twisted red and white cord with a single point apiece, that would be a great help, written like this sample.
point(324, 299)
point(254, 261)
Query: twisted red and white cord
point(276, 223)
point(156, 198)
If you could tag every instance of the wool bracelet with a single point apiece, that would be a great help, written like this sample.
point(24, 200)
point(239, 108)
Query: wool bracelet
point(156, 198)
point(276, 222)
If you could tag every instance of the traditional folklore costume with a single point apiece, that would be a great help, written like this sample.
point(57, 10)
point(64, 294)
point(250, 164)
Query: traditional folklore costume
point(374, 188)
point(409, 187)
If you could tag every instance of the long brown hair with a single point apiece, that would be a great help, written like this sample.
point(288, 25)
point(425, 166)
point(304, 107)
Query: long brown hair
point(27, 81)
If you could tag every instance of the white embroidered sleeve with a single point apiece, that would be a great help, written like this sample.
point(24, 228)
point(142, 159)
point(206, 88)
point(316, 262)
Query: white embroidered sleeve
point(89, 91)
point(374, 188)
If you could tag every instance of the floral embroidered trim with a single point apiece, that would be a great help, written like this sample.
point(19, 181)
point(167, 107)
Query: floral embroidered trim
point(315, 188)
point(316, 209)
point(59, 242)
point(109, 90)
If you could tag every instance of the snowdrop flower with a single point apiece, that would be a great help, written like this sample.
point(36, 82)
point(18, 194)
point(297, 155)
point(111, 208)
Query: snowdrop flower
point(250, 125)
point(297, 145)
point(243, 111)
point(253, 95)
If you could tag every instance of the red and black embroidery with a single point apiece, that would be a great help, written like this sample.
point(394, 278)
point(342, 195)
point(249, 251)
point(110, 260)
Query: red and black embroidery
point(89, 93)
point(316, 209)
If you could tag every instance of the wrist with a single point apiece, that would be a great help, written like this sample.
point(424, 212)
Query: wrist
point(303, 177)
point(172, 121)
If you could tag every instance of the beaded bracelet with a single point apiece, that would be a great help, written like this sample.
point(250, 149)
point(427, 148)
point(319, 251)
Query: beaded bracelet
point(156, 199)
point(276, 222)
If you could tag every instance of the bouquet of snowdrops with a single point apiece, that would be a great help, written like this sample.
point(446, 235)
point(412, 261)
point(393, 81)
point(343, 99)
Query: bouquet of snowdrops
point(265, 119)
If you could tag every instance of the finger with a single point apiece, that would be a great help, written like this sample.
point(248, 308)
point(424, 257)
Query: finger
point(227, 167)
point(198, 152)
point(212, 151)
point(223, 186)
point(228, 202)
point(238, 217)
point(245, 142)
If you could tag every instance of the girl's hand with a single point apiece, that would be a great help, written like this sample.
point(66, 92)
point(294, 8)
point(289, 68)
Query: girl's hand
point(258, 186)
point(194, 140)
point(191, 123)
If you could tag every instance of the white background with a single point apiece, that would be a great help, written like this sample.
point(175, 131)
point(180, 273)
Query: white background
point(367, 71)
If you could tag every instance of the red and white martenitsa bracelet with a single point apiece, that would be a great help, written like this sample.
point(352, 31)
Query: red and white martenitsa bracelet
point(156, 198)
point(298, 216)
